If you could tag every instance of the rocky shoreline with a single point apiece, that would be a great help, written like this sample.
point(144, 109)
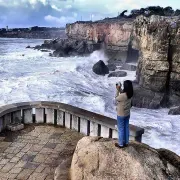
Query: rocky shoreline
point(152, 42)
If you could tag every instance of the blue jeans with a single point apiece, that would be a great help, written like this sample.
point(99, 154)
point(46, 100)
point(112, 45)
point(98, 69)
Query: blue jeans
point(123, 129)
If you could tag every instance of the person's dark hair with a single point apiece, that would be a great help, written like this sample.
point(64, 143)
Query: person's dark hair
point(128, 88)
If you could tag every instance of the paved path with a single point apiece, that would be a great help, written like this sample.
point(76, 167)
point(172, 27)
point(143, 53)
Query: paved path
point(35, 152)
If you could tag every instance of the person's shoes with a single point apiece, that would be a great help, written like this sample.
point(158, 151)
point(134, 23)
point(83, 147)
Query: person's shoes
point(117, 145)
point(126, 145)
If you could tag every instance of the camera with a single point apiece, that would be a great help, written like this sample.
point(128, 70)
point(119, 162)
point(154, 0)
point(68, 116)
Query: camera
point(118, 84)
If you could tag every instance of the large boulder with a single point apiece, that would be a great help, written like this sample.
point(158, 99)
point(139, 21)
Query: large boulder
point(174, 111)
point(100, 68)
point(99, 159)
point(118, 74)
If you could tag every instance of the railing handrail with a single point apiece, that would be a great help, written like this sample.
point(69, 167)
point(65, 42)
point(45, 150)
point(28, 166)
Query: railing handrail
point(109, 122)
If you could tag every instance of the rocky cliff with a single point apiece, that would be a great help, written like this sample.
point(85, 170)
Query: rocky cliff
point(98, 159)
point(158, 40)
point(153, 42)
point(115, 34)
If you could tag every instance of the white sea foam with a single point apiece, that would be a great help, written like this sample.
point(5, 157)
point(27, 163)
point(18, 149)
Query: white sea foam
point(36, 76)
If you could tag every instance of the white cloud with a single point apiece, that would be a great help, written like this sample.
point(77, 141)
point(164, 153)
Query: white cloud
point(36, 12)
point(56, 8)
point(62, 21)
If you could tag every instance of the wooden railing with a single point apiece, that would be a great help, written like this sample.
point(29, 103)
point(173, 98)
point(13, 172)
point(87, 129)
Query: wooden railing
point(68, 116)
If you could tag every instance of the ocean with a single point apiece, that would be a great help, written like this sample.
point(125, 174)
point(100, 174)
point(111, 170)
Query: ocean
point(31, 75)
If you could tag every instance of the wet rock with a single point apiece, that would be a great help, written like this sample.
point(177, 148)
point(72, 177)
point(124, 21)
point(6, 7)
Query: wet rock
point(59, 53)
point(69, 47)
point(112, 67)
point(38, 47)
point(118, 74)
point(100, 68)
point(80, 48)
point(44, 50)
point(97, 159)
point(129, 67)
point(174, 111)
point(144, 98)
point(28, 47)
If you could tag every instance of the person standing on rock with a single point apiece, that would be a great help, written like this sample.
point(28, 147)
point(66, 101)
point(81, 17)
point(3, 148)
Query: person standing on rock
point(124, 104)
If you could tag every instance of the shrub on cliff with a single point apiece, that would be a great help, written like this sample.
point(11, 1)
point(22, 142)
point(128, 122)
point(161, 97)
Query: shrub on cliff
point(152, 10)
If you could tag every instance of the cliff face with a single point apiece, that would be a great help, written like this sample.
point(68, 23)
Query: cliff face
point(114, 34)
point(154, 41)
point(158, 40)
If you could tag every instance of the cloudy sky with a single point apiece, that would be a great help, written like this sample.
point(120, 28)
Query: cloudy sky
point(56, 13)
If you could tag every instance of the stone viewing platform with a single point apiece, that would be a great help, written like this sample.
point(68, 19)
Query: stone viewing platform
point(34, 152)
point(49, 138)
point(83, 121)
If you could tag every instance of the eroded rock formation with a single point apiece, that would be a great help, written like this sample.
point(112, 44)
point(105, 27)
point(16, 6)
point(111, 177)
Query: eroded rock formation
point(152, 41)
point(115, 34)
point(99, 159)
point(158, 40)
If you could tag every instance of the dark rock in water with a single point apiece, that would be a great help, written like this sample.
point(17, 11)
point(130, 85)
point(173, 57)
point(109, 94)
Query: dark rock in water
point(128, 67)
point(116, 62)
point(28, 47)
point(174, 111)
point(38, 47)
point(59, 53)
point(81, 47)
point(93, 47)
point(44, 50)
point(118, 74)
point(112, 67)
point(50, 54)
point(71, 47)
point(144, 98)
point(100, 68)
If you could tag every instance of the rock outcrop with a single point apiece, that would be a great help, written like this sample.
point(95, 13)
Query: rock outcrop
point(151, 40)
point(129, 67)
point(69, 47)
point(114, 34)
point(99, 159)
point(158, 40)
point(174, 111)
point(118, 74)
point(112, 67)
point(100, 68)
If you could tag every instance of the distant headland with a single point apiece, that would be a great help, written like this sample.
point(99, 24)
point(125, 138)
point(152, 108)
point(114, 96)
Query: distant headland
point(33, 32)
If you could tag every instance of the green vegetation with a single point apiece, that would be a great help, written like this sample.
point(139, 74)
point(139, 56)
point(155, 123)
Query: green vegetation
point(151, 10)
